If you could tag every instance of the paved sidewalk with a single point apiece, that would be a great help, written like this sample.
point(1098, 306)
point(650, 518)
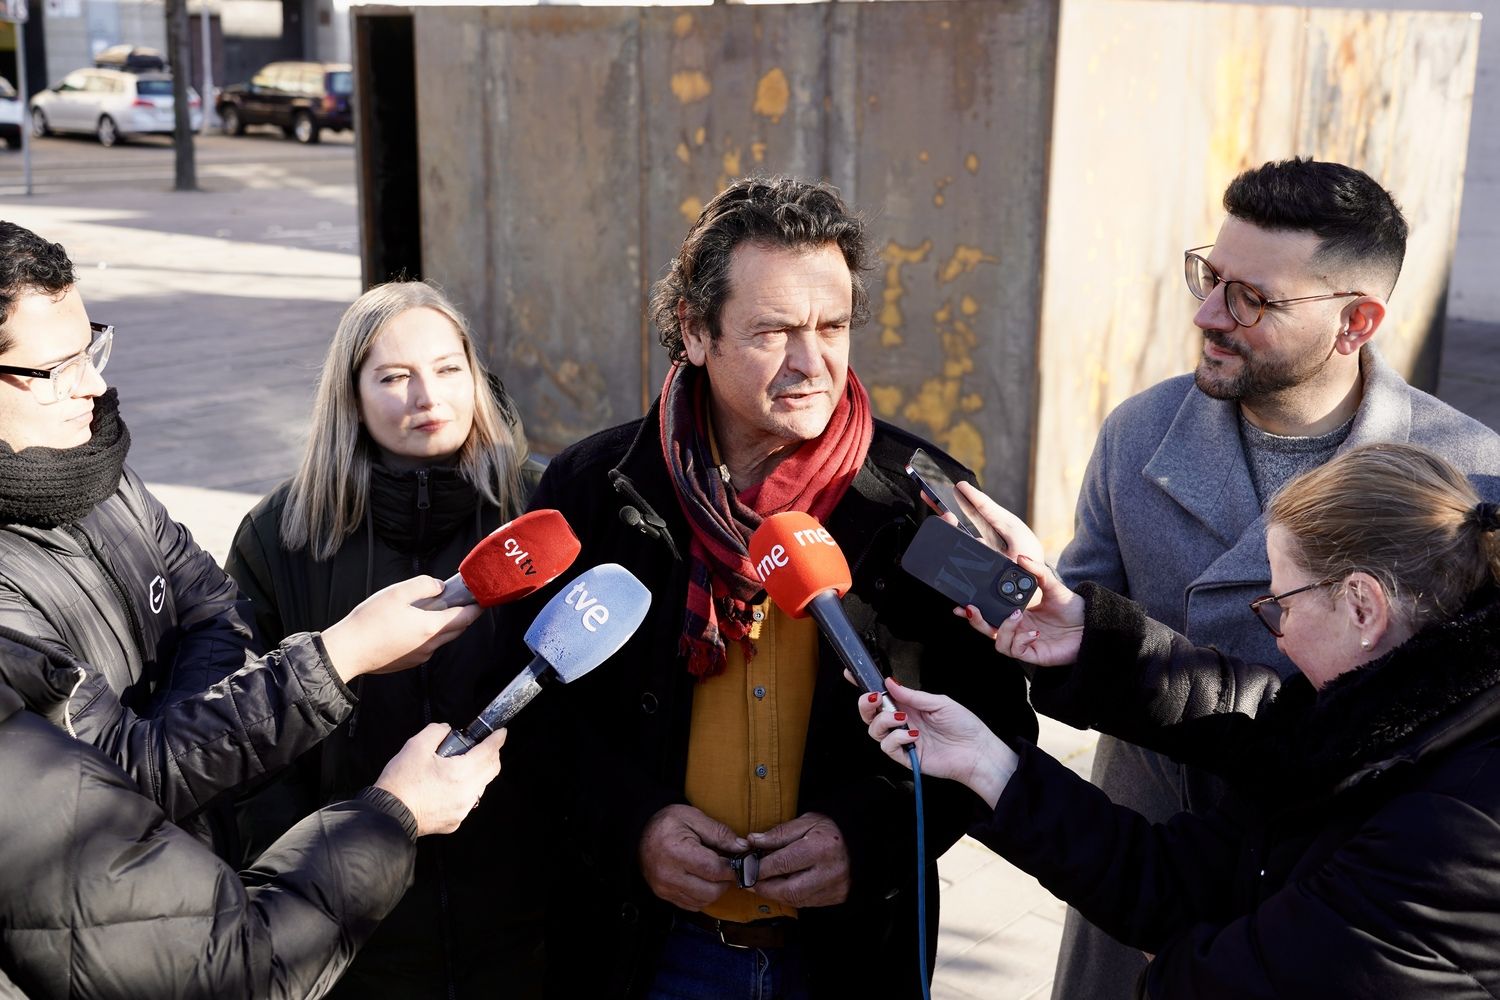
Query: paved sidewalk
point(224, 304)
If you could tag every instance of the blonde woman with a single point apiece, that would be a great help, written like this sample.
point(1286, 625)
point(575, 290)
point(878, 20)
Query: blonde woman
point(413, 455)
point(1356, 854)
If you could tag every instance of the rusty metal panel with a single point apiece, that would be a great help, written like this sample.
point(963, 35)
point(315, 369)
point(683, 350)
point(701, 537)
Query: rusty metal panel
point(727, 91)
point(531, 201)
point(1158, 105)
point(951, 107)
point(562, 170)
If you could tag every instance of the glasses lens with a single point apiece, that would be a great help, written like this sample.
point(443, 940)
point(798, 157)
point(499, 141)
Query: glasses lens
point(1200, 277)
point(1245, 303)
point(65, 378)
point(100, 348)
point(1270, 613)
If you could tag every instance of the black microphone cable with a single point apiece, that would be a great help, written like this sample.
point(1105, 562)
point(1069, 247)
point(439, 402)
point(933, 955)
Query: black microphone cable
point(916, 781)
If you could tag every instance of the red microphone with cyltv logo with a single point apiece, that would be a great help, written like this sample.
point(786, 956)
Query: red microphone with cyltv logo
point(514, 560)
point(804, 572)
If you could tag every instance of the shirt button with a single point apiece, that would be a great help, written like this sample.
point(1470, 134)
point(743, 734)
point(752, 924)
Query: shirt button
point(759, 615)
point(763, 908)
point(760, 692)
point(760, 771)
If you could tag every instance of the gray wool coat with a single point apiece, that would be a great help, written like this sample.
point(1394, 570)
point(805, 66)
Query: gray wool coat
point(1168, 517)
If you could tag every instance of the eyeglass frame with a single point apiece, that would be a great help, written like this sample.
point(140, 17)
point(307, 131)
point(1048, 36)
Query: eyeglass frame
point(1276, 599)
point(102, 332)
point(1192, 254)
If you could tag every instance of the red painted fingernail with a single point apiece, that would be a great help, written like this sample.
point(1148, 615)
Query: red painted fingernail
point(900, 716)
point(912, 733)
point(968, 612)
point(874, 697)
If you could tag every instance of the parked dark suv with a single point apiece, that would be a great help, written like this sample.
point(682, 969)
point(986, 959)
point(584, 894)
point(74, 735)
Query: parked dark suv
point(302, 97)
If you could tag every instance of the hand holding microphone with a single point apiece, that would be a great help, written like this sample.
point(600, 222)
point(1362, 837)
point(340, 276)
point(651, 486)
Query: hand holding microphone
point(440, 792)
point(516, 559)
point(582, 626)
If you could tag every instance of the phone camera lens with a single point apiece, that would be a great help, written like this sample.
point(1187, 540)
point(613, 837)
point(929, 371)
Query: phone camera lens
point(1025, 583)
point(1008, 587)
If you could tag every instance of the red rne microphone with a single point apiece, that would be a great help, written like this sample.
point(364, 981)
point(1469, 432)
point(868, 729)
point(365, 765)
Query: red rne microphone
point(510, 562)
point(805, 573)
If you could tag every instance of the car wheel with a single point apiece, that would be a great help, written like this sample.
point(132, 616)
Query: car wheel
point(39, 126)
point(230, 120)
point(107, 132)
point(304, 129)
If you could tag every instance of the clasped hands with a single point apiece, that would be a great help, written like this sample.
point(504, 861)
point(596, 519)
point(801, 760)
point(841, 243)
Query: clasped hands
point(685, 854)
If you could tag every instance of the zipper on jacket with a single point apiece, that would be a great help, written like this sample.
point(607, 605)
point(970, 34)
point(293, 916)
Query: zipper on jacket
point(424, 504)
point(136, 634)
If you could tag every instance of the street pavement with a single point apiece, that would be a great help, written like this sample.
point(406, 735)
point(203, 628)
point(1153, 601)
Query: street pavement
point(224, 301)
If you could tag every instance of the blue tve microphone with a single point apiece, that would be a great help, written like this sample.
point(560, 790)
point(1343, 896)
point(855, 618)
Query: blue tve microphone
point(582, 626)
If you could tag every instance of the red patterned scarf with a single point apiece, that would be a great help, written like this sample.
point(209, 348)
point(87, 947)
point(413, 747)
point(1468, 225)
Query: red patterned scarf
point(721, 580)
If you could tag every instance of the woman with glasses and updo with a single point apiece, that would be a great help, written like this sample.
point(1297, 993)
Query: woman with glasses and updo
point(413, 455)
point(1356, 854)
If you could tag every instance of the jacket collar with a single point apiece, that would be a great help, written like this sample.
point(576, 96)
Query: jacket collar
point(1200, 464)
point(1438, 689)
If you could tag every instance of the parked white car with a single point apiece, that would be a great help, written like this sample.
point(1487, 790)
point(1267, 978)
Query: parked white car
point(109, 104)
point(10, 114)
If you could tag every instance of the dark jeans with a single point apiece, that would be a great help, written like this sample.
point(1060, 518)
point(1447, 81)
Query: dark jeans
point(696, 965)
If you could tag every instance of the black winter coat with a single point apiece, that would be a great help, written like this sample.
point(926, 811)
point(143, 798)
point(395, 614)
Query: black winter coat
point(148, 641)
point(101, 896)
point(624, 728)
point(475, 907)
point(1356, 856)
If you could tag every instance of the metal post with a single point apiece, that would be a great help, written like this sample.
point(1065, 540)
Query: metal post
point(205, 93)
point(25, 96)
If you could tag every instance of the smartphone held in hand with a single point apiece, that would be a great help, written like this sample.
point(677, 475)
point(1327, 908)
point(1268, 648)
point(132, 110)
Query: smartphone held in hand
point(937, 489)
point(966, 571)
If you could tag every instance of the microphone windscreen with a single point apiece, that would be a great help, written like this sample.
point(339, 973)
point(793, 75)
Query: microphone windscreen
point(519, 557)
point(796, 559)
point(589, 620)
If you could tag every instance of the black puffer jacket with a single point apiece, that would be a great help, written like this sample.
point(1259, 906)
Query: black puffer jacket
point(101, 896)
point(623, 730)
point(1356, 855)
point(475, 905)
point(156, 640)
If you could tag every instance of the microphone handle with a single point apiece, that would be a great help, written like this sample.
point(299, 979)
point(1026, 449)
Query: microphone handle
point(516, 696)
point(455, 595)
point(829, 614)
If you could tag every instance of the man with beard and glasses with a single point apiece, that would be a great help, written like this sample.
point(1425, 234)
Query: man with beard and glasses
point(1293, 291)
point(722, 729)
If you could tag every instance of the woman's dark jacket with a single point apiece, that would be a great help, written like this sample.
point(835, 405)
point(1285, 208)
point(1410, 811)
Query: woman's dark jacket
point(1357, 855)
point(159, 641)
point(101, 896)
point(623, 729)
point(475, 906)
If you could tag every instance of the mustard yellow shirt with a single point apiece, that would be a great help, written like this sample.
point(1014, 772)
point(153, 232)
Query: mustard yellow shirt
point(749, 731)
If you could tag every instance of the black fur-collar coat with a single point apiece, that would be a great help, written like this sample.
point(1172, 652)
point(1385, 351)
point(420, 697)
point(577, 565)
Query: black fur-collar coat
point(1359, 855)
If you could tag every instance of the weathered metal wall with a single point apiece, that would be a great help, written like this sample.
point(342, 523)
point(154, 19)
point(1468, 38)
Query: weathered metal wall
point(565, 152)
point(1158, 106)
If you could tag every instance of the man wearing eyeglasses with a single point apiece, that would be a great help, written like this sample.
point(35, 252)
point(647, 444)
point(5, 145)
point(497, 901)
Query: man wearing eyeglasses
point(1293, 292)
point(95, 572)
